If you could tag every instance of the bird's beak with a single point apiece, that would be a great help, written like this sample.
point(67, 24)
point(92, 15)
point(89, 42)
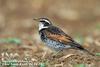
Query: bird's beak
point(36, 19)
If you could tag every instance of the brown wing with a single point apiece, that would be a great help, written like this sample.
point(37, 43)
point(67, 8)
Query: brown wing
point(58, 37)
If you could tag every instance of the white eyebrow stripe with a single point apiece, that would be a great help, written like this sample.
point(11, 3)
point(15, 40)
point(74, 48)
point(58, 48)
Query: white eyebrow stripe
point(46, 21)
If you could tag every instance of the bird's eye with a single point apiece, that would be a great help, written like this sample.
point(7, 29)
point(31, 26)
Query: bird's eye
point(46, 24)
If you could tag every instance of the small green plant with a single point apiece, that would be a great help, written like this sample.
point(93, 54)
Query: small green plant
point(10, 40)
point(79, 65)
point(42, 65)
point(97, 54)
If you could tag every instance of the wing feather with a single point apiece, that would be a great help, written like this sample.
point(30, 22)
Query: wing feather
point(57, 34)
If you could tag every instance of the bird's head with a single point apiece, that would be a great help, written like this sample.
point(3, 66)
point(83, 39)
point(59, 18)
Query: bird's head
point(43, 23)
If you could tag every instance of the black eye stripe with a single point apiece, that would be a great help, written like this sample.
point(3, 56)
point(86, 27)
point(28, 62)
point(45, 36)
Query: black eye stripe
point(42, 21)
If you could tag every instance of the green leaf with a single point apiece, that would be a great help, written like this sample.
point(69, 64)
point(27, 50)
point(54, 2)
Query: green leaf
point(79, 65)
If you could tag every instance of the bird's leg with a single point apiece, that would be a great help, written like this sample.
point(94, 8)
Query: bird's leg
point(56, 53)
point(46, 53)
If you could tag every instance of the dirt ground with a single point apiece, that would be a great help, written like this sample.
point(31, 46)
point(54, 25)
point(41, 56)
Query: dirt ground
point(40, 56)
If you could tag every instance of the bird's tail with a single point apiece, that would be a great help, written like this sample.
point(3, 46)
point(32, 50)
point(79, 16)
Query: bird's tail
point(78, 46)
point(85, 50)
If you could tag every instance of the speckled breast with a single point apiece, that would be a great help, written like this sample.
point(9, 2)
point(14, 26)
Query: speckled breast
point(51, 43)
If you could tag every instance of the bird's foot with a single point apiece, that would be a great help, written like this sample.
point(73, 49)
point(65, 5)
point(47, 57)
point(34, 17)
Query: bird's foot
point(55, 54)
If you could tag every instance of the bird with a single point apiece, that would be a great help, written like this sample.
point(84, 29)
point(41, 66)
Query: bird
point(55, 38)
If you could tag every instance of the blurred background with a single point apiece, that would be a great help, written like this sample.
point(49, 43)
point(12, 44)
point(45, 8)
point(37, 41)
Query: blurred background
point(79, 18)
point(76, 16)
